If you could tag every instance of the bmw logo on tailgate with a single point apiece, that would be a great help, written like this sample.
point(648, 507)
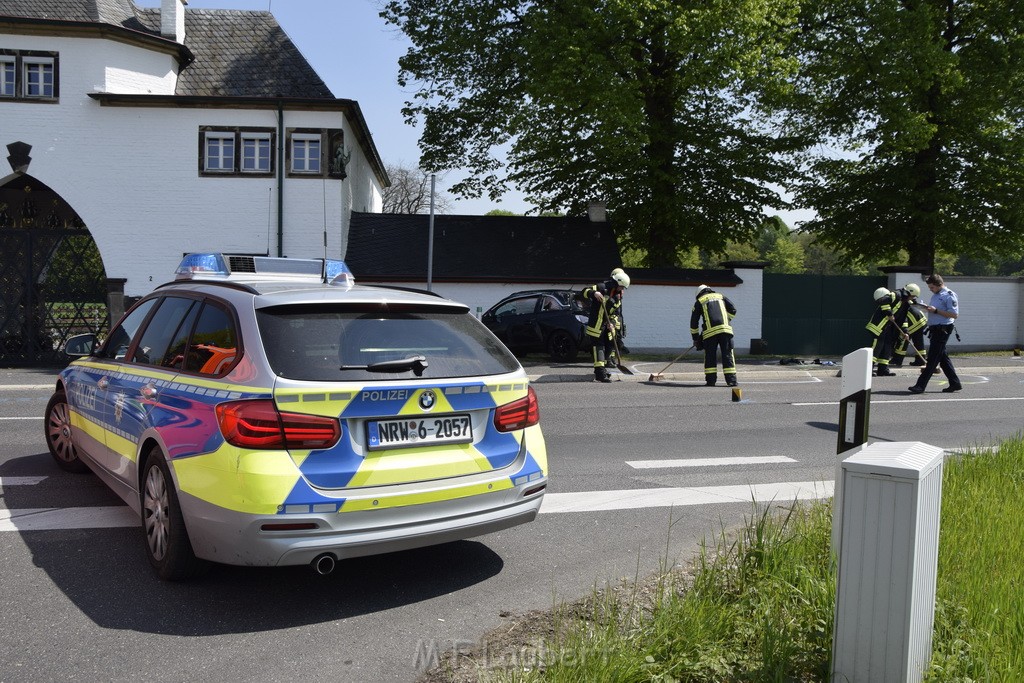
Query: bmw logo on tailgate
point(427, 399)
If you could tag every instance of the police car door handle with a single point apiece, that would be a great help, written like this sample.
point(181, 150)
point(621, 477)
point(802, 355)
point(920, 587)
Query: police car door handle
point(149, 392)
point(103, 382)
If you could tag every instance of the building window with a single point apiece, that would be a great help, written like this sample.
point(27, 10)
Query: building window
point(236, 151)
point(8, 69)
point(255, 152)
point(220, 153)
point(27, 75)
point(38, 77)
point(305, 148)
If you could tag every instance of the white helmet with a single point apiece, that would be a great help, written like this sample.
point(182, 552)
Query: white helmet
point(700, 290)
point(913, 288)
point(881, 292)
point(620, 277)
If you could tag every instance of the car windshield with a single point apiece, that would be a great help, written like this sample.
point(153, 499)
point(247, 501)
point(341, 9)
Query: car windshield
point(349, 343)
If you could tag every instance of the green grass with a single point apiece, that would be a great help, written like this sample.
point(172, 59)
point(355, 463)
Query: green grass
point(980, 616)
point(758, 605)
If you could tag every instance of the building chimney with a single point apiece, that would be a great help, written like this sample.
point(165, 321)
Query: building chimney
point(597, 212)
point(172, 20)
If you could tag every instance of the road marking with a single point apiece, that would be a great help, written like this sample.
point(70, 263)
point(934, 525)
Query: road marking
point(55, 519)
point(52, 519)
point(917, 399)
point(19, 481)
point(706, 462)
point(24, 387)
point(593, 501)
point(21, 418)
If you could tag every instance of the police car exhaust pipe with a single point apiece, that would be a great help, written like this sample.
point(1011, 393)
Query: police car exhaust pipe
point(323, 564)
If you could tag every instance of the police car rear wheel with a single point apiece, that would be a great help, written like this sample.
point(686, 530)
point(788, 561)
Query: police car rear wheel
point(58, 434)
point(167, 544)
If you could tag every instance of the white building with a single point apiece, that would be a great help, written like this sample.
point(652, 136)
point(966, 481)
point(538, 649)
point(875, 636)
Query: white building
point(168, 130)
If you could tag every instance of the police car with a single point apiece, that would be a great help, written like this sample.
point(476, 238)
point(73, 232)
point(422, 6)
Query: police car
point(265, 411)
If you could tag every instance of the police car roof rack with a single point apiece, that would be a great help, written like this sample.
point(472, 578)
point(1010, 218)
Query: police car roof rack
point(244, 267)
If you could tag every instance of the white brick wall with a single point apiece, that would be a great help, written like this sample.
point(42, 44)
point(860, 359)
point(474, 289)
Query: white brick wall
point(657, 316)
point(132, 173)
point(991, 309)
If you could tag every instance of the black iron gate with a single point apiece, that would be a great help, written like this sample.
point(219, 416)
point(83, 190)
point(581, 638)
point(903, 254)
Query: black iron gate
point(817, 315)
point(52, 282)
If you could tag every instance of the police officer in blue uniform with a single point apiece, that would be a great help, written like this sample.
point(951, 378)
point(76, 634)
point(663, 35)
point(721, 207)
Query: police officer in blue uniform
point(943, 310)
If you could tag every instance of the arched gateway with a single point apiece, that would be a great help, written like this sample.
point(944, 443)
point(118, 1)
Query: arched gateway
point(52, 281)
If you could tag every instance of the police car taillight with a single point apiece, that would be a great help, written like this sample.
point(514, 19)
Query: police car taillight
point(258, 424)
point(518, 414)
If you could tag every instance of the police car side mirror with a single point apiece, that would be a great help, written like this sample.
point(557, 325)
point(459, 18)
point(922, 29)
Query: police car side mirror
point(80, 345)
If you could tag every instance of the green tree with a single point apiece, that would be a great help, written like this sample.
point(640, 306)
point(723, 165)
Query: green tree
point(922, 99)
point(785, 256)
point(648, 104)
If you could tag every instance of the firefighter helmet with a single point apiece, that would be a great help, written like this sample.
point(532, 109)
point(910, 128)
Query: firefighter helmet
point(913, 288)
point(620, 277)
point(701, 289)
point(881, 293)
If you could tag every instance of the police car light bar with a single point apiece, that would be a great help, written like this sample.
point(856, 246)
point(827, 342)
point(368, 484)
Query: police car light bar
point(215, 266)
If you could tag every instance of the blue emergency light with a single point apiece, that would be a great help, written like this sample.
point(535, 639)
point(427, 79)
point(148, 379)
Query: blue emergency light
point(216, 266)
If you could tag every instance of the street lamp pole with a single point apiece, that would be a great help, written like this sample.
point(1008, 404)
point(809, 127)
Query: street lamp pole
point(430, 238)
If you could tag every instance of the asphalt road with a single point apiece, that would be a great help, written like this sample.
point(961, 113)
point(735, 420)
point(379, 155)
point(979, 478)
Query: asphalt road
point(82, 603)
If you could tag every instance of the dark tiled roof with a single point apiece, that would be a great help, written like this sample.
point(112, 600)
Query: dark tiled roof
point(238, 53)
point(116, 12)
point(241, 53)
point(481, 248)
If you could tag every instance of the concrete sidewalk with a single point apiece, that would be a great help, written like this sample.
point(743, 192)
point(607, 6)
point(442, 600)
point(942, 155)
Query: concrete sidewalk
point(691, 369)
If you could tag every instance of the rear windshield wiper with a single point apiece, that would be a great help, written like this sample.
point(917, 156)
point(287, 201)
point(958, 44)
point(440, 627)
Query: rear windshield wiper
point(415, 363)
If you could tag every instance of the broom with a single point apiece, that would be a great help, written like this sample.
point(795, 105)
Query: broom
point(658, 376)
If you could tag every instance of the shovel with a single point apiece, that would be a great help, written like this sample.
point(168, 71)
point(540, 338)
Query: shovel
point(659, 375)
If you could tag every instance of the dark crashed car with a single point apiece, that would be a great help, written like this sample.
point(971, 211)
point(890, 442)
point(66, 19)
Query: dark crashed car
point(548, 321)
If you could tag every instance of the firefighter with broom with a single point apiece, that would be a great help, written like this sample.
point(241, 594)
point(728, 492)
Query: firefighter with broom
point(711, 331)
point(605, 309)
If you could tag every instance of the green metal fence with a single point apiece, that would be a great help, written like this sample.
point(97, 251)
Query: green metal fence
point(817, 315)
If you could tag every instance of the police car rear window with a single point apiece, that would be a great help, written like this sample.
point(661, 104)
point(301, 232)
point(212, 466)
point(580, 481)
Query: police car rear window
point(374, 343)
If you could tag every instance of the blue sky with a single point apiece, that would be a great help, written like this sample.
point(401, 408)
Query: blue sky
point(356, 54)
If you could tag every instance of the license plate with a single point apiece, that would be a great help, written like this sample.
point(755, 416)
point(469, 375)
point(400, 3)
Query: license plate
point(421, 431)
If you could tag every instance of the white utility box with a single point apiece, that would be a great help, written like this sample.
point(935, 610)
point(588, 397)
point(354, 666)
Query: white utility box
point(888, 542)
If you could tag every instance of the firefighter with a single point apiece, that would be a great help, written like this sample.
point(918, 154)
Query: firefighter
point(606, 303)
point(913, 323)
point(711, 331)
point(883, 331)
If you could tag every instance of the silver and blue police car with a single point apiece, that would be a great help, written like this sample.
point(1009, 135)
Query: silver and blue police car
point(265, 411)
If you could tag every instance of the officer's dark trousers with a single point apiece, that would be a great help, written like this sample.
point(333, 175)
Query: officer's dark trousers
point(937, 357)
point(712, 346)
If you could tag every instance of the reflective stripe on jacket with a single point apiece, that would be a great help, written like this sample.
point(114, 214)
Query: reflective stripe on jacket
point(882, 312)
point(598, 310)
point(715, 312)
